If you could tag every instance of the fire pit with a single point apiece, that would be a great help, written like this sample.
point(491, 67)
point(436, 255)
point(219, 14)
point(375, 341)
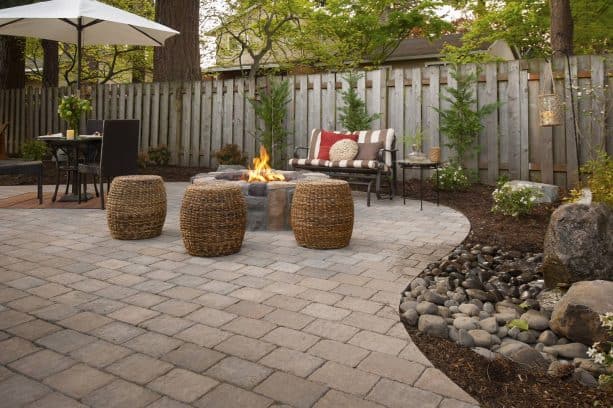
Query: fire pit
point(268, 192)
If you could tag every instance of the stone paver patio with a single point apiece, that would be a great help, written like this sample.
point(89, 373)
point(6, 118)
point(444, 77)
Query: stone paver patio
point(86, 320)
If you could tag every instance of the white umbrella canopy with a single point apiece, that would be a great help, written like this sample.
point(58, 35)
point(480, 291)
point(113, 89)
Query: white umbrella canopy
point(82, 22)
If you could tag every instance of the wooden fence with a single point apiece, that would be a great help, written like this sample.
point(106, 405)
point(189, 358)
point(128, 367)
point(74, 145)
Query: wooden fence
point(194, 119)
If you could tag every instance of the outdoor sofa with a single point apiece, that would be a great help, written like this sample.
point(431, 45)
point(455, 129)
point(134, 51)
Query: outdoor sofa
point(374, 163)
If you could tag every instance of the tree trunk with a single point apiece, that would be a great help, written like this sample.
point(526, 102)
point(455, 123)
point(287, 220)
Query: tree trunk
point(561, 27)
point(51, 66)
point(179, 58)
point(12, 62)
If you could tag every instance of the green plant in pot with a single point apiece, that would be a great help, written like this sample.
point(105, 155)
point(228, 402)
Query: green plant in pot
point(416, 141)
point(71, 108)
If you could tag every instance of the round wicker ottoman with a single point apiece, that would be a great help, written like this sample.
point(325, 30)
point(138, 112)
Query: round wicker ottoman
point(322, 214)
point(136, 207)
point(213, 219)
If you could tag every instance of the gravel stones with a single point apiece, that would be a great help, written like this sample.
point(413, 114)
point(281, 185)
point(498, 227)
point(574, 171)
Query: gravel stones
point(410, 317)
point(570, 350)
point(471, 295)
point(481, 338)
point(424, 308)
point(536, 320)
point(469, 309)
point(548, 338)
point(489, 324)
point(434, 297)
point(465, 323)
point(433, 325)
point(521, 353)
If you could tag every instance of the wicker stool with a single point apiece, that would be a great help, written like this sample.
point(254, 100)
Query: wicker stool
point(213, 219)
point(322, 214)
point(136, 207)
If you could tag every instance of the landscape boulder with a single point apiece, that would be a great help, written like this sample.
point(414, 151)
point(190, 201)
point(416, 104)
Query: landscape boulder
point(548, 192)
point(578, 244)
point(576, 315)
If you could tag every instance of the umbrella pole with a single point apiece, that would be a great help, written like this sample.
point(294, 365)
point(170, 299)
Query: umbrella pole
point(79, 49)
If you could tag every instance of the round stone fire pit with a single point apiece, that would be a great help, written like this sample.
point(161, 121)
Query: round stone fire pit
point(268, 204)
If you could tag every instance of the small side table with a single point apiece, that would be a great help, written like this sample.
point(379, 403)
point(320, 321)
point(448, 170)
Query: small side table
point(421, 165)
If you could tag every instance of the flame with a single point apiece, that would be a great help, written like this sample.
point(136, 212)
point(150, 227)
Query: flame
point(262, 172)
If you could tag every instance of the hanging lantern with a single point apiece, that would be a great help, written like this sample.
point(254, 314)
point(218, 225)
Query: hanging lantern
point(551, 110)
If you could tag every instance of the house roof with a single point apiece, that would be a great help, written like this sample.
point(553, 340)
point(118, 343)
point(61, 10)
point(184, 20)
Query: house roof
point(418, 48)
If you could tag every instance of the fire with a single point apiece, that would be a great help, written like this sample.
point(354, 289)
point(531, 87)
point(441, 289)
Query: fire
point(262, 172)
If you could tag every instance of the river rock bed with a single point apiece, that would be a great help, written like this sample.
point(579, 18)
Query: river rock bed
point(494, 302)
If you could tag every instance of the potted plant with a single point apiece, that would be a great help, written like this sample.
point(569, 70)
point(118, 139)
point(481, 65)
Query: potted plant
point(416, 141)
point(70, 109)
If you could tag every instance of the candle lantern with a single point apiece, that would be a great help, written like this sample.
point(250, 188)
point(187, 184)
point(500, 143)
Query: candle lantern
point(551, 110)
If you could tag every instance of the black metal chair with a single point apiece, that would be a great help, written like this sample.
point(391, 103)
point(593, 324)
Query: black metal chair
point(118, 157)
point(35, 168)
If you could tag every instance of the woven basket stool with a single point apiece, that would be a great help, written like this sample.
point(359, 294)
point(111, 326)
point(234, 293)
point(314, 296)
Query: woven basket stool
point(136, 207)
point(322, 214)
point(213, 219)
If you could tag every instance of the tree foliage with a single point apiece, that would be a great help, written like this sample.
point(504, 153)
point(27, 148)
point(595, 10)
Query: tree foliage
point(254, 31)
point(332, 34)
point(525, 26)
point(101, 63)
point(349, 33)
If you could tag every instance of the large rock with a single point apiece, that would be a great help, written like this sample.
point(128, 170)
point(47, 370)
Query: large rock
point(578, 244)
point(575, 316)
point(549, 192)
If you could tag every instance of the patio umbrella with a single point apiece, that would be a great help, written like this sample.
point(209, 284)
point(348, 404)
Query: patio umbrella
point(82, 22)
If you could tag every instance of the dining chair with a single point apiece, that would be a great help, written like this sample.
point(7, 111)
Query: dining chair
point(3, 141)
point(118, 157)
point(69, 165)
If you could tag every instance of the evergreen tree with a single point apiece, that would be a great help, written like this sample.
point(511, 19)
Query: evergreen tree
point(271, 109)
point(353, 116)
point(461, 123)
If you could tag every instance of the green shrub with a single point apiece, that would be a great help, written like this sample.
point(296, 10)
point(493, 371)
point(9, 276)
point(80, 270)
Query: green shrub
point(353, 115)
point(231, 154)
point(514, 202)
point(600, 177)
point(159, 156)
point(34, 150)
point(452, 177)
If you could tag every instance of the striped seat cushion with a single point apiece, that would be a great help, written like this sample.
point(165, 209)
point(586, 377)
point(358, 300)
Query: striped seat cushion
point(309, 162)
point(355, 164)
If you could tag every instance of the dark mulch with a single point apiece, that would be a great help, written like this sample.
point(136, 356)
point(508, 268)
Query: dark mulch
point(523, 234)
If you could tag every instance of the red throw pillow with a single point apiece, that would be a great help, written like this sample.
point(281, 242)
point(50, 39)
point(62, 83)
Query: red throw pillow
point(328, 138)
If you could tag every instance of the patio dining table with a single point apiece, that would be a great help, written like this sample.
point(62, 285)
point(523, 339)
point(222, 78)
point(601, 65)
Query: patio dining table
point(74, 150)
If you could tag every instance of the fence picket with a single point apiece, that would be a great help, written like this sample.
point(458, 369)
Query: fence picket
point(145, 127)
point(194, 159)
point(154, 138)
